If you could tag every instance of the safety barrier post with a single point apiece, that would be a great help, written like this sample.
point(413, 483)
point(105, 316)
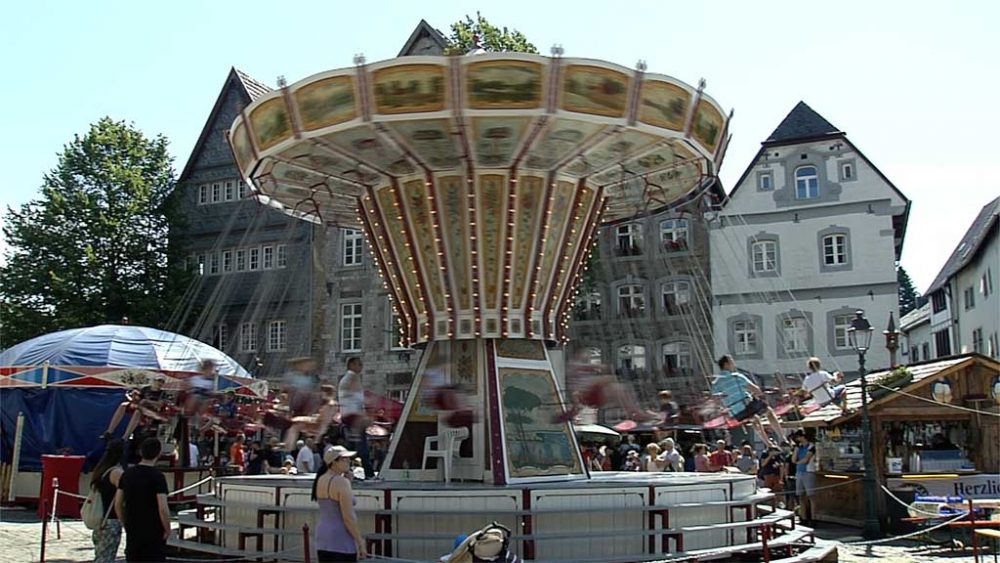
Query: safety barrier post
point(305, 544)
point(55, 507)
point(765, 534)
point(45, 529)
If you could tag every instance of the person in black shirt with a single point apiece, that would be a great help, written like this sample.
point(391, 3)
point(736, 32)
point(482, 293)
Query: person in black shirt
point(104, 479)
point(141, 504)
point(772, 469)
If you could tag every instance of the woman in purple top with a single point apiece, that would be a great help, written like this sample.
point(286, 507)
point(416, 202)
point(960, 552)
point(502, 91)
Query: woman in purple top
point(337, 535)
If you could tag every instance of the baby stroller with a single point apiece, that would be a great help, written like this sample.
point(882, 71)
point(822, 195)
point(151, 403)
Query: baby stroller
point(490, 544)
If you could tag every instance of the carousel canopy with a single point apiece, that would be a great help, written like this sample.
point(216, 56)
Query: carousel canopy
point(112, 355)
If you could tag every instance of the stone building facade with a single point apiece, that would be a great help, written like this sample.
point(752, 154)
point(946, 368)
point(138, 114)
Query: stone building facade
point(645, 307)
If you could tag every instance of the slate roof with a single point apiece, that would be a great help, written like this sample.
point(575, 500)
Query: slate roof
point(966, 250)
point(423, 29)
point(920, 371)
point(254, 87)
point(802, 123)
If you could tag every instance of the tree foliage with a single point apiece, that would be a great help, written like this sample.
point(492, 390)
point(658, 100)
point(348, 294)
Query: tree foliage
point(908, 295)
point(464, 35)
point(93, 247)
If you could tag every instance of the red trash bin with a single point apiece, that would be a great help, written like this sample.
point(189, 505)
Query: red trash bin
point(67, 469)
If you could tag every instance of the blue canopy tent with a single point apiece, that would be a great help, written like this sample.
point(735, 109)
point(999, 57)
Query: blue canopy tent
point(68, 383)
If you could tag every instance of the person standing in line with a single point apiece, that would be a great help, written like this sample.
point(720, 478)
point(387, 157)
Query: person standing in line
point(700, 454)
point(104, 479)
point(338, 537)
point(772, 469)
point(721, 458)
point(805, 475)
point(141, 504)
point(351, 395)
point(304, 459)
point(671, 459)
point(747, 462)
point(237, 458)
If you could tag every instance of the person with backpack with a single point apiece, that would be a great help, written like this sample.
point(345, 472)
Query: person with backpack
point(98, 511)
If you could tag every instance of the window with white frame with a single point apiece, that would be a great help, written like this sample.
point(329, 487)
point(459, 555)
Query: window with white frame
point(914, 354)
point(227, 261)
point(631, 301)
point(977, 341)
point(835, 250)
point(847, 170)
point(241, 260)
point(841, 323)
point(632, 359)
point(986, 283)
point(588, 306)
point(241, 189)
point(925, 350)
point(350, 327)
point(230, 190)
point(765, 182)
point(267, 257)
point(676, 296)
point(764, 256)
point(213, 263)
point(281, 259)
point(216, 192)
point(992, 348)
point(806, 182)
point(202, 194)
point(253, 258)
point(202, 264)
point(352, 247)
point(221, 337)
point(628, 239)
point(970, 297)
point(277, 337)
point(248, 337)
point(676, 358)
point(795, 335)
point(674, 234)
point(745, 336)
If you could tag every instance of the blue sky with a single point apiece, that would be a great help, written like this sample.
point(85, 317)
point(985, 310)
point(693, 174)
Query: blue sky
point(914, 84)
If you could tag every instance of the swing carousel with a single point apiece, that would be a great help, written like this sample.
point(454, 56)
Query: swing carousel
point(480, 183)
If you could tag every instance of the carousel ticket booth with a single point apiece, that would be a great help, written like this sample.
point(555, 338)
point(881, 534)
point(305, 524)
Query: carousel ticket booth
point(935, 431)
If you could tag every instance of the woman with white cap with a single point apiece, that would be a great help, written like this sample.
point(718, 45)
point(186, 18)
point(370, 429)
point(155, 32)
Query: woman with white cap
point(337, 534)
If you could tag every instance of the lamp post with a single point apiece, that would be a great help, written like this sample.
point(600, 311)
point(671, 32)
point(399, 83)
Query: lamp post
point(860, 337)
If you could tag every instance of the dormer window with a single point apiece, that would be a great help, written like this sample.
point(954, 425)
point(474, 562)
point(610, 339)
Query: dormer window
point(806, 183)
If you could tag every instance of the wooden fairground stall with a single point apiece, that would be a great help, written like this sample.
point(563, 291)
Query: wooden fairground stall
point(935, 431)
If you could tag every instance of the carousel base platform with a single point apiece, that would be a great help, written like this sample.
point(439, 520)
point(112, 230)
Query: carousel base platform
point(613, 516)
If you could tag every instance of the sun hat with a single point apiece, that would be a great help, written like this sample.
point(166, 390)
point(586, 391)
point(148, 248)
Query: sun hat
point(333, 453)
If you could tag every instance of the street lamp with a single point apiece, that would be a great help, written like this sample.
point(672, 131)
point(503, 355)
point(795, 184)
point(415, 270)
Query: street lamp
point(859, 335)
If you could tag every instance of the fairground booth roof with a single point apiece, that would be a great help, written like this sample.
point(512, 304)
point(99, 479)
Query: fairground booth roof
point(111, 356)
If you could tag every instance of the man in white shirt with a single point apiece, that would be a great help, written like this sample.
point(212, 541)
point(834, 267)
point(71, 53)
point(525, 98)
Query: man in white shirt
point(192, 454)
point(670, 458)
point(351, 396)
point(818, 384)
point(304, 459)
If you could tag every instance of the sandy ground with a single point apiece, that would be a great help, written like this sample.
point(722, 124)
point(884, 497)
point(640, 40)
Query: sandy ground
point(20, 542)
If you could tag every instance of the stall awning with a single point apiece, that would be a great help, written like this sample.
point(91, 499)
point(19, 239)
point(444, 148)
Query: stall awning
point(922, 372)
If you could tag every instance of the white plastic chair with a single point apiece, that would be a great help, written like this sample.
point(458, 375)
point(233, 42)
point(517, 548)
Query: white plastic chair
point(445, 446)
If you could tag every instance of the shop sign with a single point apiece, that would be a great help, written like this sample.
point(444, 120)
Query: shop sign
point(967, 486)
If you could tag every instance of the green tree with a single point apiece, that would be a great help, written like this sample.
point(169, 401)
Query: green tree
point(93, 247)
point(907, 293)
point(490, 37)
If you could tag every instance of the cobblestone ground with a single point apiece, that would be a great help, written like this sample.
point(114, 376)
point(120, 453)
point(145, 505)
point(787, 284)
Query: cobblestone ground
point(20, 540)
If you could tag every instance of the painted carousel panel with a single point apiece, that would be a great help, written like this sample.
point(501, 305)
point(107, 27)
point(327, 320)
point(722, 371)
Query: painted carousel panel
point(594, 90)
point(326, 102)
point(495, 139)
point(271, 123)
point(410, 89)
point(239, 139)
point(536, 445)
point(614, 149)
point(707, 126)
point(416, 199)
point(663, 104)
point(433, 141)
point(508, 84)
point(365, 144)
point(530, 193)
point(560, 140)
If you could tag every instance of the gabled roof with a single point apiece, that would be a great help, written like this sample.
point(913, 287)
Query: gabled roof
point(249, 88)
point(966, 250)
point(422, 30)
point(802, 123)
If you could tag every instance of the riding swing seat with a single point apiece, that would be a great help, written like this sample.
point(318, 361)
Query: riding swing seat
point(445, 446)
